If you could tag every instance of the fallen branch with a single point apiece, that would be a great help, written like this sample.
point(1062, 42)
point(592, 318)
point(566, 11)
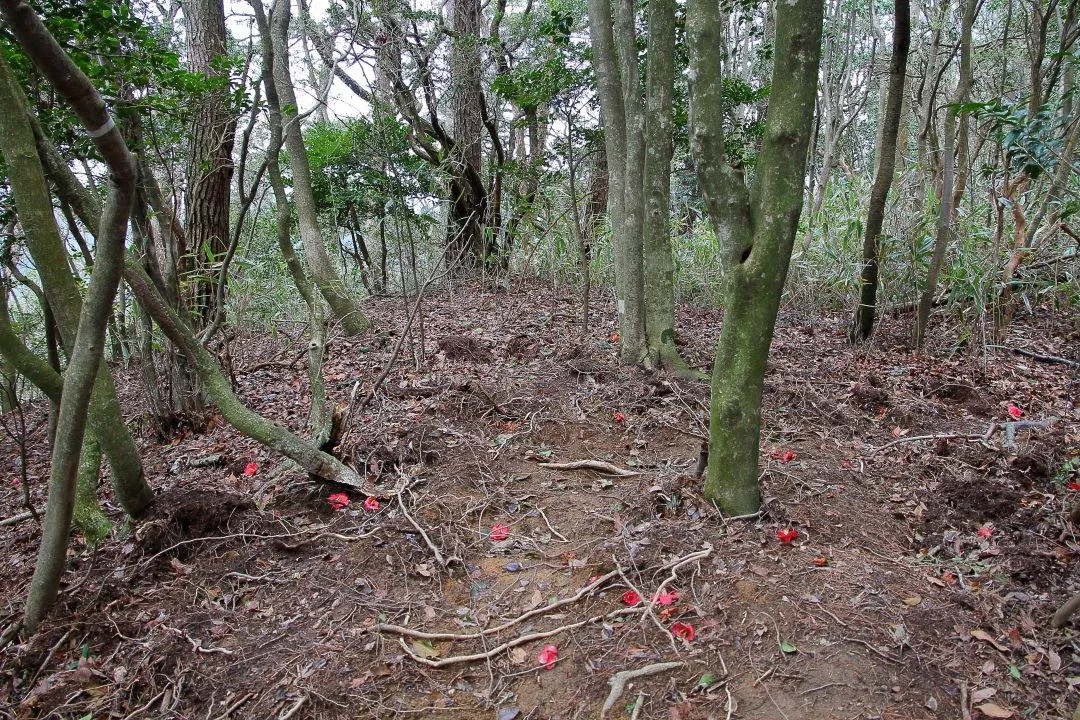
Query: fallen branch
point(619, 680)
point(531, 637)
point(1065, 611)
point(16, 519)
point(1043, 358)
point(1010, 429)
point(421, 635)
point(598, 465)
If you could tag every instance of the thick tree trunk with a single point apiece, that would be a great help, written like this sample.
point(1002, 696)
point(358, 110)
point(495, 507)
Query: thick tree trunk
point(756, 231)
point(209, 167)
point(468, 211)
point(87, 349)
point(325, 276)
point(865, 313)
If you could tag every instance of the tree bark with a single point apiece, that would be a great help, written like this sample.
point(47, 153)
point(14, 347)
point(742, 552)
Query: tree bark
point(865, 314)
point(658, 271)
point(210, 166)
point(756, 230)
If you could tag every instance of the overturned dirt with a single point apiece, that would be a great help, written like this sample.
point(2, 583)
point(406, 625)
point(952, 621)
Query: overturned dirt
point(928, 559)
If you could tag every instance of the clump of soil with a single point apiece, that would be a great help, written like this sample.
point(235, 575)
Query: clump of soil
point(181, 514)
point(464, 347)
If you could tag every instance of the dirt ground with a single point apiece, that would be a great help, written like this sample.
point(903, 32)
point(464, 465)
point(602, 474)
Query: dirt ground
point(920, 583)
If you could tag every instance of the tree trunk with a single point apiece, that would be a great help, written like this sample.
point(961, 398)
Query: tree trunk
point(947, 214)
point(756, 230)
point(87, 349)
point(64, 298)
point(658, 269)
point(326, 277)
point(248, 422)
point(468, 197)
point(210, 166)
point(865, 313)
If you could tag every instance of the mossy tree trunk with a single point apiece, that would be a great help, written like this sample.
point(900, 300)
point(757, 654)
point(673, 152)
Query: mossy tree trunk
point(638, 130)
point(756, 229)
point(63, 294)
point(88, 346)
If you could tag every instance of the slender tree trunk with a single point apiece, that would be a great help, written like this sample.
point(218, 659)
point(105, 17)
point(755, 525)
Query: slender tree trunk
point(64, 298)
point(658, 268)
point(756, 230)
point(628, 249)
point(87, 350)
point(865, 313)
point(949, 198)
point(325, 276)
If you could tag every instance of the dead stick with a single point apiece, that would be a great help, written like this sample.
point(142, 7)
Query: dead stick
point(618, 681)
point(421, 635)
point(16, 519)
point(1066, 610)
point(597, 465)
point(487, 655)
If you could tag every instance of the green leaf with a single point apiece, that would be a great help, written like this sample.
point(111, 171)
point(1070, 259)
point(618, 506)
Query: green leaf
point(1014, 671)
point(787, 647)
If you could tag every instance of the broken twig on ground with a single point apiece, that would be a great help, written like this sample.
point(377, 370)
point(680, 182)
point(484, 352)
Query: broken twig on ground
point(598, 465)
point(618, 681)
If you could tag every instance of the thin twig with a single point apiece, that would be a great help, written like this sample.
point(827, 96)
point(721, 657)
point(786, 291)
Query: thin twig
point(295, 708)
point(648, 605)
point(439, 557)
point(228, 711)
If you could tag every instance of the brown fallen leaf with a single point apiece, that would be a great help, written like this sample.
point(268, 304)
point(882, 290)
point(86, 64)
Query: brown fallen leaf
point(994, 710)
point(987, 637)
point(983, 694)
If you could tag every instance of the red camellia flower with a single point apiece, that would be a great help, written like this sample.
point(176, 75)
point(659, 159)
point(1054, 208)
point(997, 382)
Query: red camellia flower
point(499, 532)
point(339, 501)
point(683, 630)
point(1015, 412)
point(251, 468)
point(631, 598)
point(986, 531)
point(548, 656)
point(665, 598)
point(821, 561)
point(1073, 485)
point(619, 417)
point(371, 503)
point(786, 536)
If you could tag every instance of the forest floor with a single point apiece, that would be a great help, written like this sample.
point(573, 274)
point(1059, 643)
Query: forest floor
point(920, 584)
